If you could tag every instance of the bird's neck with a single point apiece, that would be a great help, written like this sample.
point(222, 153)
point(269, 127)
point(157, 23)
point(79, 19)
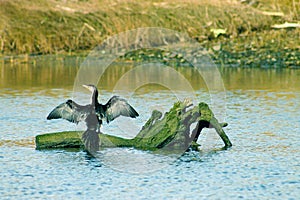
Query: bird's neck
point(94, 99)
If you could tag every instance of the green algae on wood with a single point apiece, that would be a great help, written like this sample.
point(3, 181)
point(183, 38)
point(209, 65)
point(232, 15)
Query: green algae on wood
point(59, 140)
point(72, 139)
point(170, 132)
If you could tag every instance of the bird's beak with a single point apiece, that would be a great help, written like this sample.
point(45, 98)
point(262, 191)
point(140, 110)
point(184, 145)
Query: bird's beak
point(88, 87)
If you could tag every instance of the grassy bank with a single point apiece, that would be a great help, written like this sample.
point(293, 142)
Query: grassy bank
point(77, 26)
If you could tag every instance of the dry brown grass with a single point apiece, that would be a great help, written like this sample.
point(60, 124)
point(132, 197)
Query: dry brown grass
point(66, 26)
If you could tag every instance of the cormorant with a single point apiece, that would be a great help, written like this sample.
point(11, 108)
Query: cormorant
point(114, 108)
point(76, 113)
point(92, 114)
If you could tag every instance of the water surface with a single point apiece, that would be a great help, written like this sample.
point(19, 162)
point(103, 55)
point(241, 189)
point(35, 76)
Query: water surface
point(262, 109)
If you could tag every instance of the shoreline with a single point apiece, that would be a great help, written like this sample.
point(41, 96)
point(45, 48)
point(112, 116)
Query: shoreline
point(235, 34)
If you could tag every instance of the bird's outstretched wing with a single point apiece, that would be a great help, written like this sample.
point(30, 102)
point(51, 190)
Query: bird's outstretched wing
point(117, 106)
point(70, 111)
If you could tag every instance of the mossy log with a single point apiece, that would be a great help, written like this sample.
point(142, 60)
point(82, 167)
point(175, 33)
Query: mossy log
point(170, 132)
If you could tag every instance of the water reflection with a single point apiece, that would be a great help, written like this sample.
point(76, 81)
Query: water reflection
point(52, 72)
point(46, 72)
point(261, 79)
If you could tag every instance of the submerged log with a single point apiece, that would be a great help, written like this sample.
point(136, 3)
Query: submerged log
point(170, 132)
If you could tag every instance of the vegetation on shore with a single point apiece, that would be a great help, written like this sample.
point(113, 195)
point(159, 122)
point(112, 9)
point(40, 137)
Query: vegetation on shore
point(75, 27)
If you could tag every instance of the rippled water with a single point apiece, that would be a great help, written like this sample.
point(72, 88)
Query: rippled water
point(263, 110)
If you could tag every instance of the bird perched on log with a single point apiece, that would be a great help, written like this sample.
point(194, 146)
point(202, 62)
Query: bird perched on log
point(93, 115)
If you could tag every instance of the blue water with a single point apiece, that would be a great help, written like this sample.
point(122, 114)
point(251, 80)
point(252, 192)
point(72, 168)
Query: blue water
point(264, 127)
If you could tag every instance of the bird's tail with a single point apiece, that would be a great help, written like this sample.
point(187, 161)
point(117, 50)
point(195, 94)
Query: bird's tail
point(91, 140)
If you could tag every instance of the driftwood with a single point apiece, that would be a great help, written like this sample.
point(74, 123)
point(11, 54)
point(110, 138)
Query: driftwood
point(170, 132)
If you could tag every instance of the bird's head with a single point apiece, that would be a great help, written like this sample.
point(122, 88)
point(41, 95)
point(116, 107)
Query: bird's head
point(90, 87)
